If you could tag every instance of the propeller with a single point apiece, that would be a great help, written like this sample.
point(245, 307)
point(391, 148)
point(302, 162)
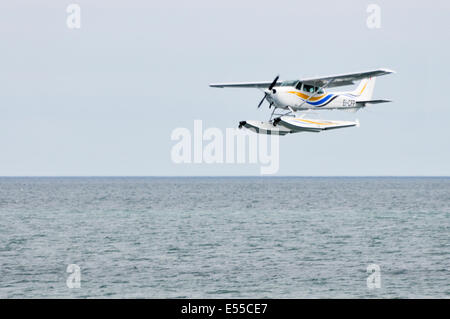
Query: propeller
point(242, 123)
point(274, 82)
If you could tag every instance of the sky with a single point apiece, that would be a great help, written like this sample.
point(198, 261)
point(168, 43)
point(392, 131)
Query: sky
point(104, 99)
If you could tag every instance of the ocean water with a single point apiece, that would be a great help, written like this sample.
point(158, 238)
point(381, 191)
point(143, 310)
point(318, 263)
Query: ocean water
point(225, 237)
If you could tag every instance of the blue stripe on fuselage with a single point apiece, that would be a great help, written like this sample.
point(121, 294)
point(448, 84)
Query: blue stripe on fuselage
point(326, 98)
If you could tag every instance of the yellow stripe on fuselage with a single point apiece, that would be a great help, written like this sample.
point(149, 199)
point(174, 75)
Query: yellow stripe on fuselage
point(306, 97)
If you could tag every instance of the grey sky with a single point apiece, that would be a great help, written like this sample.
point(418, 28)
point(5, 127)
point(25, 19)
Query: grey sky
point(103, 100)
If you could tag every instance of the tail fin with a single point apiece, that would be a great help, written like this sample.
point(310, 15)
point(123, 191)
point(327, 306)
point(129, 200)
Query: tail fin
point(364, 91)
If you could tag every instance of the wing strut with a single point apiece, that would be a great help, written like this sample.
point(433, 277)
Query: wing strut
point(315, 93)
point(276, 120)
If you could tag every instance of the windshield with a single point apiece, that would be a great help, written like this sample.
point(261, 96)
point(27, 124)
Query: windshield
point(289, 83)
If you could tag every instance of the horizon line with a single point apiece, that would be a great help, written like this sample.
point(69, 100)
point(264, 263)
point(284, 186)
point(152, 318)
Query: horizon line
point(216, 176)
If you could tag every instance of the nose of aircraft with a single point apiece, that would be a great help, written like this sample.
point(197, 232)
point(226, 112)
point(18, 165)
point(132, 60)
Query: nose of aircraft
point(268, 93)
point(271, 94)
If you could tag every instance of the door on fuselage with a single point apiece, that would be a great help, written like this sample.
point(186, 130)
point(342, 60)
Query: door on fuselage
point(308, 92)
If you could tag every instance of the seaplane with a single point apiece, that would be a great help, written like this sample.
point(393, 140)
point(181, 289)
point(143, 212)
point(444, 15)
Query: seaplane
point(309, 94)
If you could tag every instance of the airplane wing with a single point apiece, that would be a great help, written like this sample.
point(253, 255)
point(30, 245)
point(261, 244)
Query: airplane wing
point(344, 79)
point(264, 84)
point(327, 81)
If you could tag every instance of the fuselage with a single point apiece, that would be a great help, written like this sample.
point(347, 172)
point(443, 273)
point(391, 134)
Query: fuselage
point(286, 97)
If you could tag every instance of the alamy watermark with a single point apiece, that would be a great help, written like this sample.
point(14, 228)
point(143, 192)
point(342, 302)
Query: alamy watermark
point(374, 278)
point(374, 19)
point(74, 279)
point(234, 146)
point(73, 20)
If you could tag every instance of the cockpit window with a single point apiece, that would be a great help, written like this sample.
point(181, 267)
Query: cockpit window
point(308, 88)
point(311, 89)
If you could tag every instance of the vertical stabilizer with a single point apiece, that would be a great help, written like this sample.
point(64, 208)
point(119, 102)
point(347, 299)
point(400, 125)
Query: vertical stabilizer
point(364, 91)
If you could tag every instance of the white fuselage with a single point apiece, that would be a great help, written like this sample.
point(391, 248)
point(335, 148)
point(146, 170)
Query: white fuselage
point(286, 97)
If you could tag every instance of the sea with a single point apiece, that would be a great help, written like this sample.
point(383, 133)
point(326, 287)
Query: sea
point(224, 237)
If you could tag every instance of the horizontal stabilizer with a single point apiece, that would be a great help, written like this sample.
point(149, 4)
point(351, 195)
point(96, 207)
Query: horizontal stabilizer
point(372, 102)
